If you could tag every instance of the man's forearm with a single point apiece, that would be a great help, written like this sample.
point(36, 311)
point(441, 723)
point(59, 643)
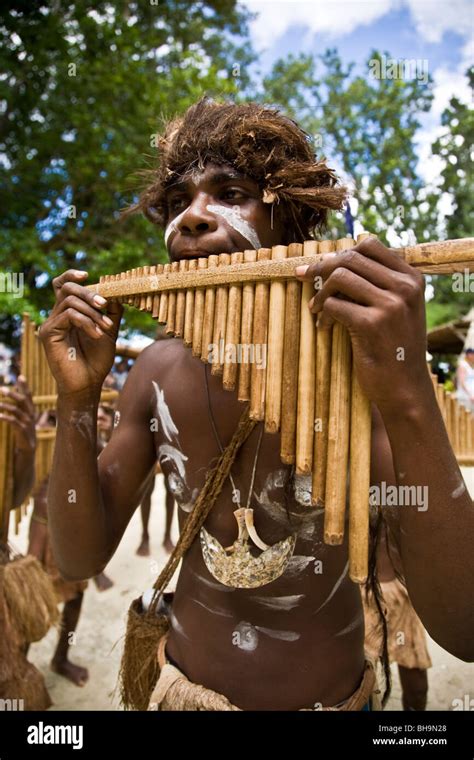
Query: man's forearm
point(435, 533)
point(76, 511)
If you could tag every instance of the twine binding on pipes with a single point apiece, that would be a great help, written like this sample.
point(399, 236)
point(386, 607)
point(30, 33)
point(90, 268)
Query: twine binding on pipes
point(139, 668)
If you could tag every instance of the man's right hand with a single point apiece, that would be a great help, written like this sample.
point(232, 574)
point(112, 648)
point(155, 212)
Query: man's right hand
point(78, 338)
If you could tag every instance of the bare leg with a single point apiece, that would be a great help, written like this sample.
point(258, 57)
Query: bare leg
point(145, 508)
point(60, 663)
point(414, 683)
point(167, 542)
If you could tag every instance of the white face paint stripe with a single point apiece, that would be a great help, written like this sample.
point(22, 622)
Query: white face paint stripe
point(235, 221)
point(173, 226)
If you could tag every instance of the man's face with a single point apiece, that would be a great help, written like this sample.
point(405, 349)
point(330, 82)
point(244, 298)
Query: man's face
point(217, 211)
point(470, 359)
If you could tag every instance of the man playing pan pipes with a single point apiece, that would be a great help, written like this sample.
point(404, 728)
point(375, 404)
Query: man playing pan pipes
point(230, 178)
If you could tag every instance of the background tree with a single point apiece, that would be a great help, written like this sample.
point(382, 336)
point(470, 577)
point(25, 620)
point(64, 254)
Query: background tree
point(366, 126)
point(455, 147)
point(84, 89)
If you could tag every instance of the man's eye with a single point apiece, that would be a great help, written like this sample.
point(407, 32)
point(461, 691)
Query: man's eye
point(176, 203)
point(233, 194)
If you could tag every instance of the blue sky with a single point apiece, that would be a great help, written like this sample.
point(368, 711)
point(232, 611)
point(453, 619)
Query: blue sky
point(440, 31)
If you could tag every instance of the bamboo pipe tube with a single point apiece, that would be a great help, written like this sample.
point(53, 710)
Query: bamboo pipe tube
point(199, 299)
point(306, 375)
point(220, 320)
point(180, 303)
point(232, 335)
point(321, 402)
point(248, 302)
point(209, 311)
point(171, 318)
point(276, 325)
point(155, 307)
point(360, 435)
point(291, 345)
point(145, 297)
point(163, 313)
point(189, 308)
point(260, 338)
point(339, 427)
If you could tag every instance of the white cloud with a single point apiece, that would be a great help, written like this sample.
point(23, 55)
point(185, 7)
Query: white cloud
point(435, 17)
point(335, 18)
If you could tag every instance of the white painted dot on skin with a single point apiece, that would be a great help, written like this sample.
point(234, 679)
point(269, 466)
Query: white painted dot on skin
point(246, 638)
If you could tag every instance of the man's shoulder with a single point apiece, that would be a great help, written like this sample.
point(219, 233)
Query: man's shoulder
point(160, 355)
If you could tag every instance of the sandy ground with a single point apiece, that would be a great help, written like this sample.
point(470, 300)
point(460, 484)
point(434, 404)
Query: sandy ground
point(99, 639)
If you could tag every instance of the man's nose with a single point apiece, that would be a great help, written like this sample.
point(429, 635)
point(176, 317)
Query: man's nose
point(197, 219)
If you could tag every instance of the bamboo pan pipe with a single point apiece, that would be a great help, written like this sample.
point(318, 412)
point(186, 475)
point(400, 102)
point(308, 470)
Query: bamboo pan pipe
point(306, 370)
point(291, 347)
point(209, 310)
point(232, 333)
point(359, 477)
point(260, 331)
point(198, 313)
point(276, 331)
point(248, 304)
point(308, 391)
point(220, 320)
point(322, 395)
point(339, 429)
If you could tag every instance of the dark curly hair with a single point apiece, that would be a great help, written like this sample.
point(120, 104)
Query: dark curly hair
point(258, 141)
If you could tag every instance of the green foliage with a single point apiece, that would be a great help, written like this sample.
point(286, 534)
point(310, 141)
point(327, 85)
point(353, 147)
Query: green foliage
point(367, 127)
point(455, 147)
point(84, 91)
